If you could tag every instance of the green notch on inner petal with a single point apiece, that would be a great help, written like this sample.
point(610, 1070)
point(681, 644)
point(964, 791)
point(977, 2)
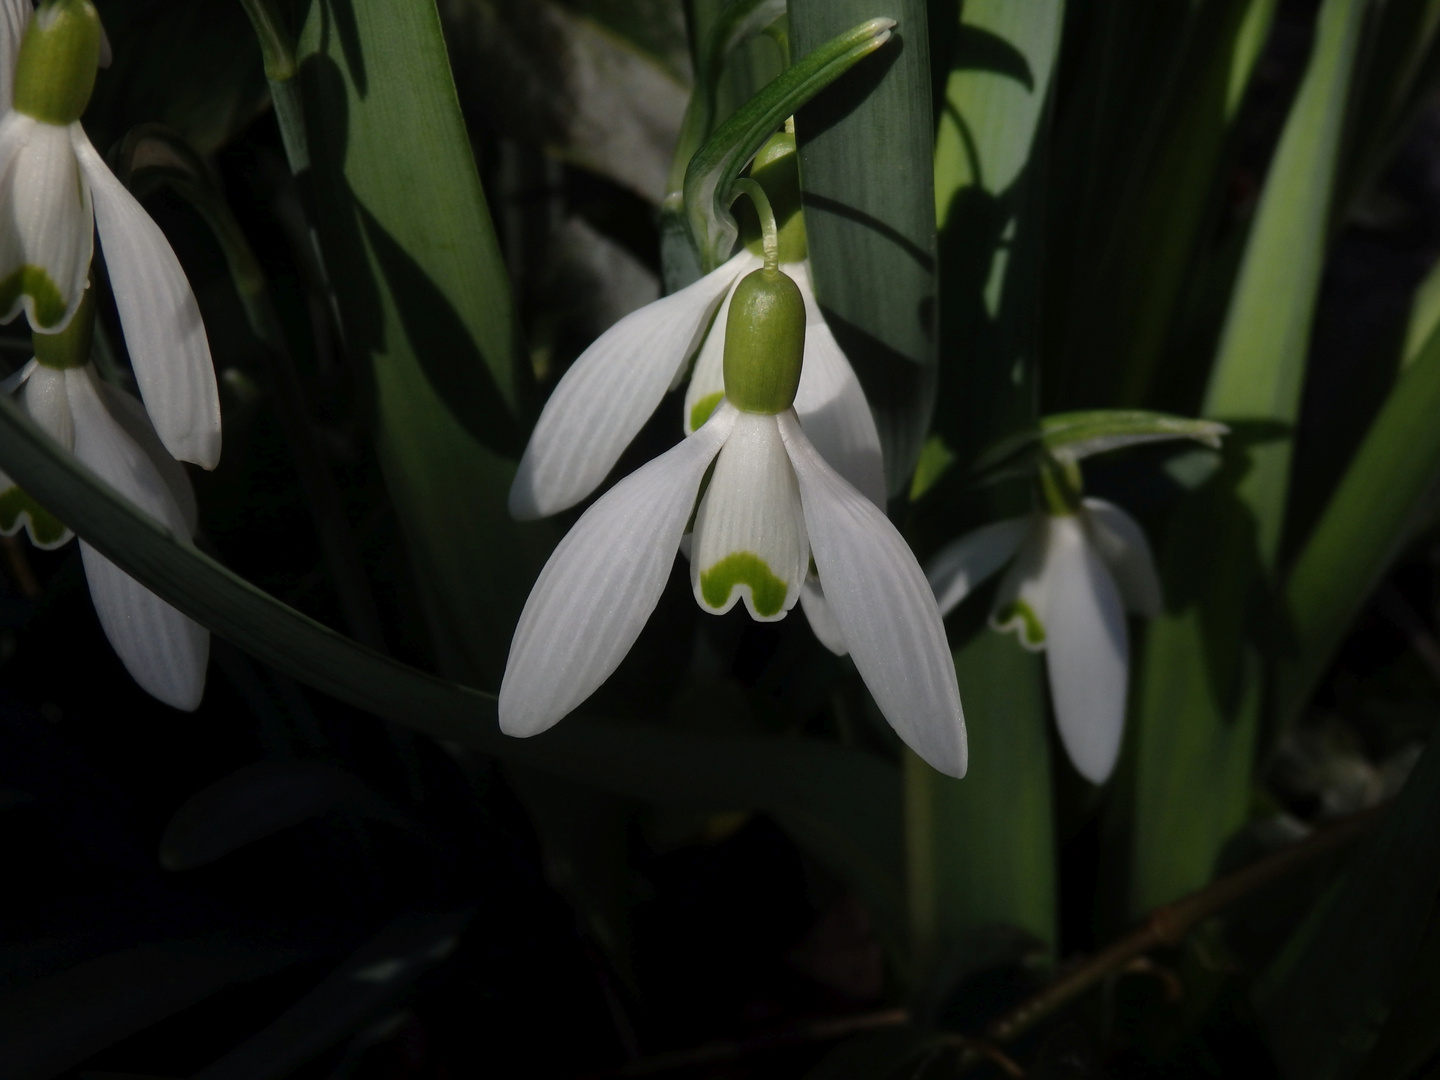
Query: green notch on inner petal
point(1019, 616)
point(45, 528)
point(767, 592)
point(702, 410)
point(34, 281)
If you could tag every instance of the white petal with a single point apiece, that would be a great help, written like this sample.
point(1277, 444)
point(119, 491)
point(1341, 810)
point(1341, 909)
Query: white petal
point(166, 652)
point(602, 582)
point(16, 378)
point(821, 618)
point(163, 330)
point(1122, 544)
point(1088, 652)
point(14, 18)
point(832, 405)
point(749, 533)
point(707, 379)
point(41, 393)
point(964, 563)
point(608, 394)
point(46, 398)
point(883, 606)
point(1020, 600)
point(131, 415)
point(47, 227)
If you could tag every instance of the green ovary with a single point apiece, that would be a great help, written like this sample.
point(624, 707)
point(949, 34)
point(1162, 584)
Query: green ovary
point(1021, 616)
point(702, 410)
point(34, 282)
point(45, 527)
point(767, 592)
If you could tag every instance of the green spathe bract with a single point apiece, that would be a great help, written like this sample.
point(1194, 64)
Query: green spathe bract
point(767, 591)
point(764, 343)
point(59, 56)
point(776, 168)
point(70, 348)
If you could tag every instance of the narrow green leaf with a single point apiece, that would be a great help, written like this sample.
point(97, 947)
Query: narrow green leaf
point(867, 174)
point(424, 304)
point(715, 166)
point(1367, 521)
point(1199, 696)
point(1325, 1009)
point(1078, 435)
point(981, 851)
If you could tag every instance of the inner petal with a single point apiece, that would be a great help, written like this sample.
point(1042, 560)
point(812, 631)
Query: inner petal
point(1020, 601)
point(749, 538)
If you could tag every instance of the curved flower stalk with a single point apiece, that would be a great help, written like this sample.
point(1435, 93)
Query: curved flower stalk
point(166, 652)
point(771, 505)
point(1078, 567)
point(55, 189)
point(606, 396)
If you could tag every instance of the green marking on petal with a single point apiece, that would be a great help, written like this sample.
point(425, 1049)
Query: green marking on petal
point(767, 592)
point(702, 410)
point(1020, 617)
point(34, 282)
point(45, 528)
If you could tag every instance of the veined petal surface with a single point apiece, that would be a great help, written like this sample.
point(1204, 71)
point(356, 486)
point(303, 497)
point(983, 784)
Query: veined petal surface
point(1121, 542)
point(166, 652)
point(821, 618)
point(601, 584)
point(831, 404)
point(964, 563)
point(1088, 651)
point(608, 394)
point(883, 606)
point(163, 329)
point(707, 378)
point(47, 226)
point(14, 18)
point(46, 397)
point(749, 532)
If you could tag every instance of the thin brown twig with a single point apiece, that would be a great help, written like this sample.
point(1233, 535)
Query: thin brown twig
point(988, 1050)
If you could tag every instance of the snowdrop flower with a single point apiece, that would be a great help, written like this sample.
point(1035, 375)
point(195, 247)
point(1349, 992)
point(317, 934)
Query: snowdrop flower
point(166, 652)
point(55, 189)
point(615, 385)
point(771, 505)
point(1078, 567)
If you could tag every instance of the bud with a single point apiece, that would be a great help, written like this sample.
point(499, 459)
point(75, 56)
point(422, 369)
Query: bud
point(55, 71)
point(776, 168)
point(764, 343)
point(70, 348)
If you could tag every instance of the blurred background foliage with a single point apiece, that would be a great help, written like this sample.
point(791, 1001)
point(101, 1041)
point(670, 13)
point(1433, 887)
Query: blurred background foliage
point(728, 866)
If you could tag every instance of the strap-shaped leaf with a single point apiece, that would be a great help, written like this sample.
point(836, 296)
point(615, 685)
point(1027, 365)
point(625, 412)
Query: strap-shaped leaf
point(716, 164)
point(1075, 435)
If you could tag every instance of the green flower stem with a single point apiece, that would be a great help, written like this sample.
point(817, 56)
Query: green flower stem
point(769, 233)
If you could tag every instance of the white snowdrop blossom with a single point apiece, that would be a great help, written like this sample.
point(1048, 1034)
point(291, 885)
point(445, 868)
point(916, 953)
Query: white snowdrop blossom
point(55, 189)
point(615, 385)
point(108, 431)
point(772, 504)
point(1073, 578)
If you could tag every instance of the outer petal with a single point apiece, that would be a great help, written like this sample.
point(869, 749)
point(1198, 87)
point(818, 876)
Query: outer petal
point(608, 394)
point(1088, 654)
point(707, 379)
point(821, 618)
point(47, 225)
point(832, 405)
point(14, 18)
point(165, 651)
point(750, 531)
point(601, 584)
point(163, 329)
point(883, 606)
point(41, 392)
point(1121, 543)
point(964, 563)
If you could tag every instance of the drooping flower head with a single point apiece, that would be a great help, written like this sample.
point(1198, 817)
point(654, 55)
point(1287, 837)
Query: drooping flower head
point(772, 505)
point(1079, 565)
point(615, 385)
point(109, 432)
point(55, 189)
